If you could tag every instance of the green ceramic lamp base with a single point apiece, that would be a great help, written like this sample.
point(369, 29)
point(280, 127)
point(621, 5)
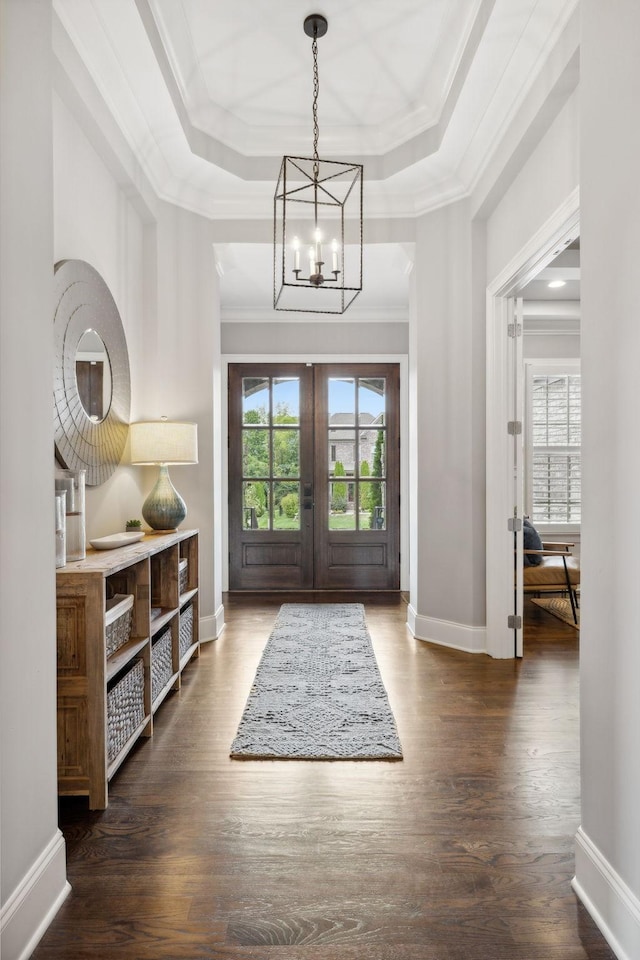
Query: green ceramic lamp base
point(164, 508)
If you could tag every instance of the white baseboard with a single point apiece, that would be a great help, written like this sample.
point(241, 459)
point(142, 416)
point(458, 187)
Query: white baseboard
point(458, 636)
point(33, 905)
point(612, 904)
point(211, 627)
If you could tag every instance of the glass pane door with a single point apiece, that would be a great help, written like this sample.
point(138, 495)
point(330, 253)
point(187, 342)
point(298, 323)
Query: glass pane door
point(356, 433)
point(313, 476)
point(357, 477)
point(271, 453)
point(270, 458)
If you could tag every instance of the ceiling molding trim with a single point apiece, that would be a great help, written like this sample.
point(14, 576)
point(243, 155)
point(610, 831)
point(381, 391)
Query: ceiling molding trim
point(558, 231)
point(526, 126)
point(556, 310)
point(269, 315)
point(550, 328)
point(202, 145)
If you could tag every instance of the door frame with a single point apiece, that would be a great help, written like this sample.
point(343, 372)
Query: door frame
point(403, 362)
point(549, 240)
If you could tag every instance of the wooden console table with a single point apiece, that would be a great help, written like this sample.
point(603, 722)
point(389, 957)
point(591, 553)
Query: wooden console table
point(114, 674)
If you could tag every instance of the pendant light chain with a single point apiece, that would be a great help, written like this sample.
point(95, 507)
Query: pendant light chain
point(316, 91)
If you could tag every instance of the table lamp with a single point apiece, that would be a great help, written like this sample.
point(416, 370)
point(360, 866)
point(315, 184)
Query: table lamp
point(164, 442)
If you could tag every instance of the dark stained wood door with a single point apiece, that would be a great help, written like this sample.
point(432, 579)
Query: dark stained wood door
point(357, 477)
point(270, 477)
point(314, 492)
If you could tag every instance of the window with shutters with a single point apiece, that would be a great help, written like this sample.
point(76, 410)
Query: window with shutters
point(553, 475)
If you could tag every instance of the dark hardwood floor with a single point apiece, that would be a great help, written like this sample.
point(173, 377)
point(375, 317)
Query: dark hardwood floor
point(464, 851)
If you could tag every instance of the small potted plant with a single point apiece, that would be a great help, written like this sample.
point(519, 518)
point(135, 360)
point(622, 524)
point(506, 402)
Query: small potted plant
point(133, 526)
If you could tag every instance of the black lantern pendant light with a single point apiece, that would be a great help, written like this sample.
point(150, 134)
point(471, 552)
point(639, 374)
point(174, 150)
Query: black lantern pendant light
point(317, 222)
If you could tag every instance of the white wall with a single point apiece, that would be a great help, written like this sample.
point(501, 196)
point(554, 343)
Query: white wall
point(181, 376)
point(33, 861)
point(319, 337)
point(556, 346)
point(543, 184)
point(95, 221)
point(608, 843)
point(447, 429)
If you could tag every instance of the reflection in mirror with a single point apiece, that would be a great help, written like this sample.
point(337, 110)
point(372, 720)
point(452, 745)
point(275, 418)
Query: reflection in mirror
point(93, 376)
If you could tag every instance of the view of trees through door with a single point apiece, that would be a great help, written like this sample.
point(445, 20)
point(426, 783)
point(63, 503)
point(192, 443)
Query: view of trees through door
point(313, 476)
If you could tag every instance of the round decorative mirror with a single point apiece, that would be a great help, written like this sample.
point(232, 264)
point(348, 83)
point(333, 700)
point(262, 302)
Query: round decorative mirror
point(92, 388)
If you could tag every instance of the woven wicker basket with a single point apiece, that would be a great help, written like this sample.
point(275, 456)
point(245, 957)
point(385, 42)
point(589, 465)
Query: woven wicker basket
point(186, 629)
point(183, 575)
point(117, 621)
point(125, 709)
point(161, 664)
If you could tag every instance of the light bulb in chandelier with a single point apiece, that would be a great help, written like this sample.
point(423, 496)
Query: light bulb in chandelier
point(318, 241)
point(316, 262)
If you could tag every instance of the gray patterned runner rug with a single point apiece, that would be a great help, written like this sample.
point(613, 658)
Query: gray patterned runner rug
point(317, 693)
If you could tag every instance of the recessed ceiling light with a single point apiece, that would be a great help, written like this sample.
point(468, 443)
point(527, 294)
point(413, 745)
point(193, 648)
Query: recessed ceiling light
point(556, 283)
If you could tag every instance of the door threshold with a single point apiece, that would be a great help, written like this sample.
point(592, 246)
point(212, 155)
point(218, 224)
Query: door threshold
point(319, 596)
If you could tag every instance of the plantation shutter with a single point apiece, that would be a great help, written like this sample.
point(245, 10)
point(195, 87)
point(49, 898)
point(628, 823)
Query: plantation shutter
point(556, 468)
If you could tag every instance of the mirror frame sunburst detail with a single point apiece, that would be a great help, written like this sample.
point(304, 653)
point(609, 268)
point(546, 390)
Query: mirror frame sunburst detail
point(83, 301)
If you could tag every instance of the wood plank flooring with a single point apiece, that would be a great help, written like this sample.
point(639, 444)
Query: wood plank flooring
point(463, 851)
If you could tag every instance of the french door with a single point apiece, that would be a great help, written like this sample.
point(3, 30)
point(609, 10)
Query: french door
point(314, 486)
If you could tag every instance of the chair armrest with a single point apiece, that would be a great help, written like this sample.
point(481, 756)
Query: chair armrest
point(557, 545)
point(549, 553)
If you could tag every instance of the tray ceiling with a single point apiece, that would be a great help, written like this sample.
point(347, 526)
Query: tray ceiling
point(210, 94)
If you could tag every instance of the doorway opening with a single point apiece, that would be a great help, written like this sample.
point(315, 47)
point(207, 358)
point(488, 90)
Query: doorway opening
point(551, 440)
point(505, 404)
